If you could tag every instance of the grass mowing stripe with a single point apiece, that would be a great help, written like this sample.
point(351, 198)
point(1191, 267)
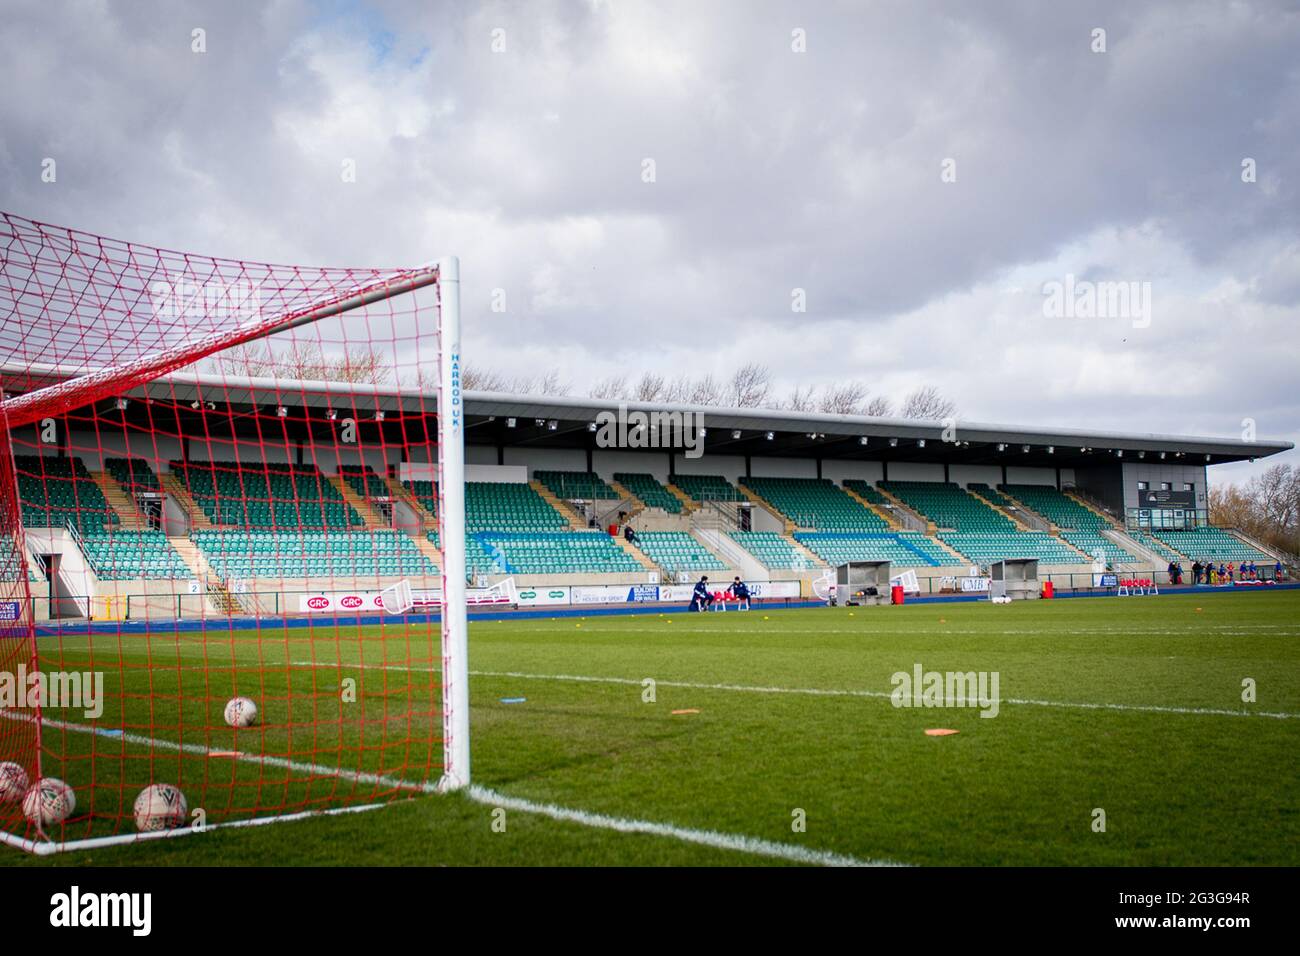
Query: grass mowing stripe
point(826, 692)
point(710, 838)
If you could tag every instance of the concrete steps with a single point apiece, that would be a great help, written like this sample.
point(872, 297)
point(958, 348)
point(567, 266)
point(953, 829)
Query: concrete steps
point(1019, 524)
point(689, 504)
point(576, 521)
point(788, 527)
point(128, 515)
point(221, 598)
point(640, 556)
point(176, 489)
point(927, 526)
point(890, 521)
point(1091, 507)
point(373, 520)
point(401, 493)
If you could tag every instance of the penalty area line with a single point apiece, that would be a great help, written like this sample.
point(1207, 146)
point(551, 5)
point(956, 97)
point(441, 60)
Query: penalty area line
point(754, 846)
point(821, 691)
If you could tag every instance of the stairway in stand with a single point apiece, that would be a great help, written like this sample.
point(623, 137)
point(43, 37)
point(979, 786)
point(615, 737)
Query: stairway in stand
point(221, 598)
point(576, 521)
point(176, 490)
point(374, 521)
point(129, 517)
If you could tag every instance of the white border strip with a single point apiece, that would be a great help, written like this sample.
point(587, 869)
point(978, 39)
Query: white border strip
point(753, 846)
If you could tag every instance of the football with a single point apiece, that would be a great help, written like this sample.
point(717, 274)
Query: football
point(13, 782)
point(49, 801)
point(241, 712)
point(160, 806)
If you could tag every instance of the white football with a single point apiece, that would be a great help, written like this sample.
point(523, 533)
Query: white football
point(241, 712)
point(13, 782)
point(48, 801)
point(160, 806)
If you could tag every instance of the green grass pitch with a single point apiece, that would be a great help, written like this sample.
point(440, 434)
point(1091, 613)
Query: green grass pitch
point(1186, 772)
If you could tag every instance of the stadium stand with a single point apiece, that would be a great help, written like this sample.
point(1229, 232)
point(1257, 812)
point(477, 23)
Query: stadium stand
point(1214, 544)
point(677, 551)
point(1161, 550)
point(649, 490)
point(563, 552)
point(1094, 542)
point(949, 507)
point(289, 554)
point(56, 492)
point(574, 485)
point(426, 493)
point(130, 555)
point(770, 549)
point(363, 480)
point(985, 547)
point(1060, 509)
point(866, 490)
point(905, 549)
point(133, 474)
point(708, 488)
point(991, 495)
point(816, 503)
point(248, 495)
point(508, 506)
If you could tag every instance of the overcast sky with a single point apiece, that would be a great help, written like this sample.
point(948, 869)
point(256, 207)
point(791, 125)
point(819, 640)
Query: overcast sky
point(922, 171)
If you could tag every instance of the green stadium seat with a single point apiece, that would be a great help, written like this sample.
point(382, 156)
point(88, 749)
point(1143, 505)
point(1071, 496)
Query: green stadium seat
point(707, 488)
point(649, 490)
point(676, 551)
point(1060, 509)
point(574, 485)
point(816, 504)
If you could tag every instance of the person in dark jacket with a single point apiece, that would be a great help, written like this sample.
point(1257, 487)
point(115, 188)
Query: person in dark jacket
point(1196, 571)
point(740, 591)
point(1173, 572)
point(702, 596)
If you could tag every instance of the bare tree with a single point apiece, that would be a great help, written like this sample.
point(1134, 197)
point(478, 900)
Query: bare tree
point(705, 391)
point(1266, 507)
point(649, 388)
point(613, 387)
point(843, 398)
point(749, 386)
point(928, 403)
point(479, 378)
point(552, 384)
point(304, 360)
point(803, 398)
point(879, 407)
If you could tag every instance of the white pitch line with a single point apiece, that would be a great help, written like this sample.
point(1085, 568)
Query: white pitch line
point(754, 846)
point(283, 763)
point(818, 691)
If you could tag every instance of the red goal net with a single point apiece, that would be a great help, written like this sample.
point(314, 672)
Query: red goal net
point(221, 528)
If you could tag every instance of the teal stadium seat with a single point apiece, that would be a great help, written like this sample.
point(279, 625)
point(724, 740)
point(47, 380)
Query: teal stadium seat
point(676, 551)
point(816, 504)
point(647, 488)
point(707, 488)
